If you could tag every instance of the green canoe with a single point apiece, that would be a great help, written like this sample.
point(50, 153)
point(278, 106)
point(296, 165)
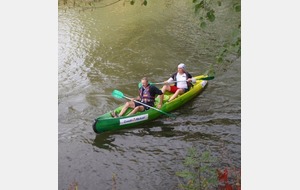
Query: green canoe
point(106, 122)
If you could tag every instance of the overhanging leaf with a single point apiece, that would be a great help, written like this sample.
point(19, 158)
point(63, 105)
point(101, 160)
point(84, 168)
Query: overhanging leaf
point(210, 16)
point(203, 24)
point(199, 6)
point(237, 7)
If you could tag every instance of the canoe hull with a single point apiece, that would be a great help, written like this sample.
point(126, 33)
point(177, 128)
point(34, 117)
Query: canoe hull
point(107, 123)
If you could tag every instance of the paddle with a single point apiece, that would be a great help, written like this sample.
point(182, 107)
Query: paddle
point(119, 94)
point(201, 78)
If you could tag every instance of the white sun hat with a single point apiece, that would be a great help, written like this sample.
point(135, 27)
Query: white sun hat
point(181, 66)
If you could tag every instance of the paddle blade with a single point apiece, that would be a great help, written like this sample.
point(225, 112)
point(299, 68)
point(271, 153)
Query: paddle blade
point(117, 94)
point(207, 78)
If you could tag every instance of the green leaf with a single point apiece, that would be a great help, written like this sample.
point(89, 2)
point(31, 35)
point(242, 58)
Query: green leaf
point(219, 59)
point(185, 174)
point(210, 16)
point(237, 7)
point(145, 2)
point(132, 2)
point(192, 152)
point(199, 6)
point(189, 161)
point(203, 24)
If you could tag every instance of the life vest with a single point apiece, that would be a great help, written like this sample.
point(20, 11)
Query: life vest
point(145, 95)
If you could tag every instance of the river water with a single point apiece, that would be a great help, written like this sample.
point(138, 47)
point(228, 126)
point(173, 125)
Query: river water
point(113, 48)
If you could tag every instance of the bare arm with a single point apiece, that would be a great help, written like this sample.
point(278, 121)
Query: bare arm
point(170, 80)
point(191, 80)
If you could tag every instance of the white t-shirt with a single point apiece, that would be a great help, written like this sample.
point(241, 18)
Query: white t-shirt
point(182, 78)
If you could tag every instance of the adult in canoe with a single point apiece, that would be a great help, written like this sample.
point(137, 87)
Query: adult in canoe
point(182, 79)
point(147, 94)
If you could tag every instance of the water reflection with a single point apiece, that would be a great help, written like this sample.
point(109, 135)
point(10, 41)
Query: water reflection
point(104, 141)
point(188, 131)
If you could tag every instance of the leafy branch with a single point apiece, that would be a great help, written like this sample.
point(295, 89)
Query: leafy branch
point(206, 10)
point(201, 173)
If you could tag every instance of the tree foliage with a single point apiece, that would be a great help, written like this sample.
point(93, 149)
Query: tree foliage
point(201, 172)
point(206, 10)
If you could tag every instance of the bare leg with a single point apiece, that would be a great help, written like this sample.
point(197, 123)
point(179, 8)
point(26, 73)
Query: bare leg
point(136, 109)
point(126, 106)
point(165, 87)
point(178, 91)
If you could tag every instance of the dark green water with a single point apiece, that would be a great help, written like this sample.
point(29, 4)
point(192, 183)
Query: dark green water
point(112, 48)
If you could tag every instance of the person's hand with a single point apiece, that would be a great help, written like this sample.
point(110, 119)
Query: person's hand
point(159, 106)
point(189, 80)
point(132, 99)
